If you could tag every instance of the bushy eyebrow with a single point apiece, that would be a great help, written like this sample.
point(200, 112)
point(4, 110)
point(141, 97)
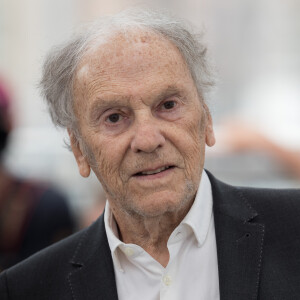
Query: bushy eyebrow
point(101, 104)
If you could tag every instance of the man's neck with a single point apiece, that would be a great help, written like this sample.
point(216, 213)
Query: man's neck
point(150, 233)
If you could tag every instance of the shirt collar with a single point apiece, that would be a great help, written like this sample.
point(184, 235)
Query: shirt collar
point(198, 218)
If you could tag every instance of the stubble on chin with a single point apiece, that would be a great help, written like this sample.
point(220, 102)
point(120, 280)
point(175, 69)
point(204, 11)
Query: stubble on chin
point(132, 207)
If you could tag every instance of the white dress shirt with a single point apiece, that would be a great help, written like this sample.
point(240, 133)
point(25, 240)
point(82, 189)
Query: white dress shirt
point(192, 271)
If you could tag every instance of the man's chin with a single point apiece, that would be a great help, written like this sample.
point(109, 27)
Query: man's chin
point(164, 204)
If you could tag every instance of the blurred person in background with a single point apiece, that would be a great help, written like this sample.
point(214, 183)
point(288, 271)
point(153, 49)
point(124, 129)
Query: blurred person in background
point(33, 215)
point(237, 136)
point(131, 91)
point(259, 137)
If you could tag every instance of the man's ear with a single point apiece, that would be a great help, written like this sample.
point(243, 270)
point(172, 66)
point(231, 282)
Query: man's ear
point(82, 162)
point(209, 131)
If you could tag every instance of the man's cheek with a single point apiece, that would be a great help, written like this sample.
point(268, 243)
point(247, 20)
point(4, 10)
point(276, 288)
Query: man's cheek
point(109, 169)
point(195, 155)
point(106, 168)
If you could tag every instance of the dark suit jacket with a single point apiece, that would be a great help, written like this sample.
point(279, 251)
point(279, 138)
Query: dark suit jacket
point(258, 244)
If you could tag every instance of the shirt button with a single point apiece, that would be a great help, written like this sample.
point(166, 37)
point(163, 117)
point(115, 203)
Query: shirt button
point(129, 251)
point(167, 280)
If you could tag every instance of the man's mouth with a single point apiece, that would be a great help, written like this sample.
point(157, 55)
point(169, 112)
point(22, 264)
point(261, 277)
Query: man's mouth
point(152, 172)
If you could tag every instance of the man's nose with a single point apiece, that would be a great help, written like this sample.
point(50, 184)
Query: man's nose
point(147, 137)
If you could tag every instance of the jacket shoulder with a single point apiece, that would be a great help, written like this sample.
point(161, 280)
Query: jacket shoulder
point(269, 218)
point(44, 275)
point(282, 204)
point(279, 211)
point(264, 202)
point(45, 268)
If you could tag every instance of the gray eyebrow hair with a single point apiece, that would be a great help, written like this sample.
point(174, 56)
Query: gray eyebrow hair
point(101, 104)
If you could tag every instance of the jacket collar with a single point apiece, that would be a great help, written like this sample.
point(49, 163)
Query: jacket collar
point(93, 276)
point(239, 242)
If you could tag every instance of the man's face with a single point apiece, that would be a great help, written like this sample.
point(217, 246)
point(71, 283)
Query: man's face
point(142, 123)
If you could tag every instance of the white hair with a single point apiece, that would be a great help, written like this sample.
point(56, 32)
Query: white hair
point(60, 65)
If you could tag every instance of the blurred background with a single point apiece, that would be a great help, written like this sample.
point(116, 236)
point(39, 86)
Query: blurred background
point(255, 46)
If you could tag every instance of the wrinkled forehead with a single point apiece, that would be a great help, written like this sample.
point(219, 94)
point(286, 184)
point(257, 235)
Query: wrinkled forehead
point(130, 47)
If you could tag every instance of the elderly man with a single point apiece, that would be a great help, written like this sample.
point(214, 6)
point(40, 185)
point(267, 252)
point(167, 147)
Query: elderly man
point(130, 91)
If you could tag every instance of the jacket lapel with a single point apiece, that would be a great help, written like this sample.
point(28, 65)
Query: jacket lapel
point(93, 273)
point(239, 242)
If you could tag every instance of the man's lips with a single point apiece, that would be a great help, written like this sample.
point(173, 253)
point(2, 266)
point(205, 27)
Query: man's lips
point(153, 171)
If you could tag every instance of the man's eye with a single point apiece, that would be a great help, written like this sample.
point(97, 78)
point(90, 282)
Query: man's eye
point(114, 118)
point(169, 104)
